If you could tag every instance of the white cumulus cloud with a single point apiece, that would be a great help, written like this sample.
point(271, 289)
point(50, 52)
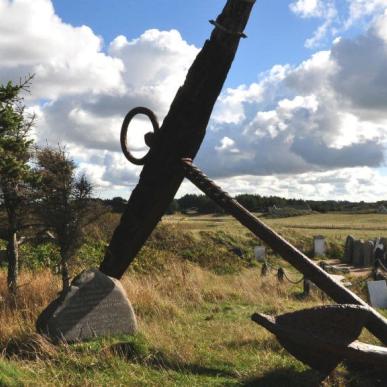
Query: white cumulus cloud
point(318, 129)
point(65, 59)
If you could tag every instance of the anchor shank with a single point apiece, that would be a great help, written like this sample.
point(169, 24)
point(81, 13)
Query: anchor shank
point(180, 135)
point(377, 324)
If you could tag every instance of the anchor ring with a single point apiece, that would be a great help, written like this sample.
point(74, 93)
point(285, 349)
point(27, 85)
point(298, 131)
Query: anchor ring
point(148, 136)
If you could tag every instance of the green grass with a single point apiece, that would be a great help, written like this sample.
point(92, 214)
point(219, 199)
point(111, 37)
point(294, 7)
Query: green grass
point(194, 318)
point(371, 224)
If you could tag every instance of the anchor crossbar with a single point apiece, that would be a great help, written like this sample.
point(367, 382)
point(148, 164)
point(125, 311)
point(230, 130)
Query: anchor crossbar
point(376, 324)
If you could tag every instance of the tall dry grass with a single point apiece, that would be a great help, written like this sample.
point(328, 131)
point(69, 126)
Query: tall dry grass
point(18, 315)
point(165, 295)
point(191, 318)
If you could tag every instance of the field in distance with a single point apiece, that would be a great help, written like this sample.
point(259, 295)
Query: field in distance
point(335, 225)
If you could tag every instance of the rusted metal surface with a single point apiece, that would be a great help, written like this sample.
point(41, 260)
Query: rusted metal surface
point(149, 137)
point(180, 135)
point(169, 160)
point(324, 336)
point(376, 323)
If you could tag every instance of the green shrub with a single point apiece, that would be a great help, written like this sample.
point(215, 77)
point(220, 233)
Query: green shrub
point(40, 256)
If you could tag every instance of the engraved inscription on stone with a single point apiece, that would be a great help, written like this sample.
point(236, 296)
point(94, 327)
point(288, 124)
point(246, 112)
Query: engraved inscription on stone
point(95, 305)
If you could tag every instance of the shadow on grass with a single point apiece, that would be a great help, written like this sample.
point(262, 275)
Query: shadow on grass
point(366, 376)
point(266, 343)
point(286, 377)
point(159, 360)
point(33, 347)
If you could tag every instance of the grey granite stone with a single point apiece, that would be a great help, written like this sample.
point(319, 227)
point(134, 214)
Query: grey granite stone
point(358, 253)
point(368, 253)
point(95, 305)
point(319, 246)
point(348, 250)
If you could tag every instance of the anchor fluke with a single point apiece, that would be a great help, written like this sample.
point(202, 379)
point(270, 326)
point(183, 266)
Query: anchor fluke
point(320, 336)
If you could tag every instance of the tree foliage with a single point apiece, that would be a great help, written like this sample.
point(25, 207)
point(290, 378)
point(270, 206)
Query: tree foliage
point(65, 205)
point(16, 174)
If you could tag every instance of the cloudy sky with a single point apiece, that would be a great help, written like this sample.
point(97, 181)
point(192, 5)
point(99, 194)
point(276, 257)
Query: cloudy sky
point(303, 113)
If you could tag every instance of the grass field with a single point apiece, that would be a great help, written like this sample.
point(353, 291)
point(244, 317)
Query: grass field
point(331, 225)
point(195, 326)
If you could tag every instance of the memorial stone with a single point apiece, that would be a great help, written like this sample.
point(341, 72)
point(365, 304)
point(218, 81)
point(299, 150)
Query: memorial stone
point(348, 250)
point(378, 293)
point(95, 305)
point(260, 253)
point(319, 246)
point(368, 253)
point(358, 253)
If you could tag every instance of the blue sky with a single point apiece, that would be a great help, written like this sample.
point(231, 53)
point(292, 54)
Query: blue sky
point(276, 35)
point(303, 112)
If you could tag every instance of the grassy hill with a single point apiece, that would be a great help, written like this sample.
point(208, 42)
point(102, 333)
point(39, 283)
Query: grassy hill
point(193, 297)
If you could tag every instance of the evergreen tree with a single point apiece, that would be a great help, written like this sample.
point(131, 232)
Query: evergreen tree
point(15, 171)
point(65, 205)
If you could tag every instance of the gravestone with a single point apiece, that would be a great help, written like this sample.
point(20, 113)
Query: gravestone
point(358, 253)
point(348, 250)
point(95, 305)
point(319, 246)
point(378, 293)
point(368, 253)
point(260, 253)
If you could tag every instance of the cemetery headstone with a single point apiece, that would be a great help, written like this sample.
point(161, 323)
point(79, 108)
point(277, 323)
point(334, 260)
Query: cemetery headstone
point(319, 246)
point(95, 305)
point(378, 293)
point(260, 253)
point(348, 250)
point(368, 253)
point(358, 253)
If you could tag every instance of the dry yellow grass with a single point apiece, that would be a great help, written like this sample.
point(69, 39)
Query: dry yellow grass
point(35, 290)
point(197, 324)
point(163, 296)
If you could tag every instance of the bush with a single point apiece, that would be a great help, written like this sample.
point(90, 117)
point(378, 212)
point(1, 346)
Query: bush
point(40, 256)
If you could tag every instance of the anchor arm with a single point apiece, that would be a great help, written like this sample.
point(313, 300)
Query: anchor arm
point(376, 323)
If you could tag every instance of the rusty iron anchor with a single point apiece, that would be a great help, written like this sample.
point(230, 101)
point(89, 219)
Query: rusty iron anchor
point(169, 160)
point(323, 337)
point(320, 337)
